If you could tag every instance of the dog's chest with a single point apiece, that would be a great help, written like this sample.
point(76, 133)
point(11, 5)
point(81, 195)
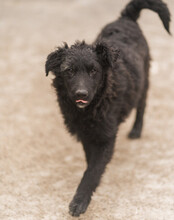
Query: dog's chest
point(89, 127)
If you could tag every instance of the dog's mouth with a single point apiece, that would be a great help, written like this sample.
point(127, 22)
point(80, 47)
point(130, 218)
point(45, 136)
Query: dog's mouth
point(81, 103)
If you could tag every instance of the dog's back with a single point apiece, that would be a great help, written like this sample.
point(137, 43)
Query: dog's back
point(125, 33)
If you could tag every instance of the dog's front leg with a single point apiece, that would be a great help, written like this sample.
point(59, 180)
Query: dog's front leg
point(99, 154)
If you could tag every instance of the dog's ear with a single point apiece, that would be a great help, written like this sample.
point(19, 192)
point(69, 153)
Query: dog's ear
point(55, 59)
point(107, 55)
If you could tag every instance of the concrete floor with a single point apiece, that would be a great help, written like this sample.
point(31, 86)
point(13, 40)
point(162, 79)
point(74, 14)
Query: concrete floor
point(40, 164)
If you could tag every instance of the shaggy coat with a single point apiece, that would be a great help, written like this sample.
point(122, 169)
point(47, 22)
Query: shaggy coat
point(98, 85)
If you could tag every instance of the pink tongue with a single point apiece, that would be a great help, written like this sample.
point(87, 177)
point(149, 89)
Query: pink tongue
point(80, 100)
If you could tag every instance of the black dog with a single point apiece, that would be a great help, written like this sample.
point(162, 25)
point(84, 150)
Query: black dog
point(99, 84)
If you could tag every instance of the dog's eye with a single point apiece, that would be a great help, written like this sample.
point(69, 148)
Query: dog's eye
point(92, 72)
point(70, 72)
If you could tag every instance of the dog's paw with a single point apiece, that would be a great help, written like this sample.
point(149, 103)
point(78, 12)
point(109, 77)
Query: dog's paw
point(134, 134)
point(78, 205)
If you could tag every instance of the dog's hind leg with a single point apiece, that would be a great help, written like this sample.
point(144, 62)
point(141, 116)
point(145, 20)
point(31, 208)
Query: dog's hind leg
point(100, 154)
point(138, 124)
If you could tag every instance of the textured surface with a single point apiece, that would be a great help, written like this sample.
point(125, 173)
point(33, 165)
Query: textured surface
point(40, 164)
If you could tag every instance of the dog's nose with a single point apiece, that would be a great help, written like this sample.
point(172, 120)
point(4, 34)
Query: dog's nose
point(81, 93)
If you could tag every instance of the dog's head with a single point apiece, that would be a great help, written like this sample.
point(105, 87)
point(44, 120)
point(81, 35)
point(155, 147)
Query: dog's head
point(82, 68)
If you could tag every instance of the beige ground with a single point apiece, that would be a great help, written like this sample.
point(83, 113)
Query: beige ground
point(40, 164)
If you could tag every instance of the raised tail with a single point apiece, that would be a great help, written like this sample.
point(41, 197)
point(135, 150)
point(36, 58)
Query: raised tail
point(133, 8)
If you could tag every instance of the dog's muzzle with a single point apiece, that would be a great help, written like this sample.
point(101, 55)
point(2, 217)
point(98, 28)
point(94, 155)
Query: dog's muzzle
point(81, 98)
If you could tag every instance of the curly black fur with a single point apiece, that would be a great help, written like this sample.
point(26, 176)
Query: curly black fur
point(99, 84)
